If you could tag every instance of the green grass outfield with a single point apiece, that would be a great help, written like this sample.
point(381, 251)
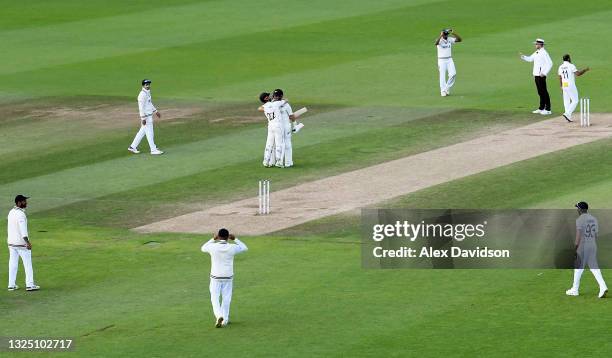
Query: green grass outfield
point(367, 71)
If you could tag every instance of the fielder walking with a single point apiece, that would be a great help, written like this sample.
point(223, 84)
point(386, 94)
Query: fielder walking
point(542, 64)
point(19, 245)
point(146, 110)
point(567, 80)
point(222, 249)
point(587, 230)
point(444, 44)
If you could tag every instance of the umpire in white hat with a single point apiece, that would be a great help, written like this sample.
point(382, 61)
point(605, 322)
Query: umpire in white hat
point(542, 64)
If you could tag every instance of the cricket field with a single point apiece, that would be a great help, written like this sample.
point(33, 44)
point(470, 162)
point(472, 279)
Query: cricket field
point(69, 76)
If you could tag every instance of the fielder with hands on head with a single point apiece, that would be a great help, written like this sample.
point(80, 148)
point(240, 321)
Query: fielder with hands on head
point(19, 245)
point(444, 44)
point(542, 64)
point(567, 80)
point(587, 231)
point(222, 249)
point(146, 110)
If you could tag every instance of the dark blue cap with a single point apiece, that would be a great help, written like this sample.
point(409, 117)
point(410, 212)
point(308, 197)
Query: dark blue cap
point(20, 197)
point(582, 205)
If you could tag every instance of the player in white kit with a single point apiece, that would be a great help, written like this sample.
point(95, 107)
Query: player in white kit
point(19, 245)
point(273, 153)
point(587, 231)
point(287, 119)
point(444, 44)
point(146, 110)
point(222, 249)
point(567, 80)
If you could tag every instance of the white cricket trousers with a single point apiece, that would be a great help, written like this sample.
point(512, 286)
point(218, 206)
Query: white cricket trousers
point(596, 273)
point(221, 289)
point(26, 258)
point(570, 100)
point(446, 65)
point(274, 144)
point(145, 130)
point(587, 256)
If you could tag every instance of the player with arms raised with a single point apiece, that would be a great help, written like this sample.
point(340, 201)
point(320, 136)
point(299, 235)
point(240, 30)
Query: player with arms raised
point(444, 44)
point(275, 143)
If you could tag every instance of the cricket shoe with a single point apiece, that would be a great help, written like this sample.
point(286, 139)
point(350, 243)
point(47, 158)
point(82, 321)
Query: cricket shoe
point(572, 292)
point(537, 111)
point(545, 112)
point(603, 292)
point(13, 288)
point(33, 288)
point(443, 93)
point(133, 150)
point(219, 322)
point(157, 152)
point(567, 118)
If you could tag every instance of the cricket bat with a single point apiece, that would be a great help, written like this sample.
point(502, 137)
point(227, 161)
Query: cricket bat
point(299, 112)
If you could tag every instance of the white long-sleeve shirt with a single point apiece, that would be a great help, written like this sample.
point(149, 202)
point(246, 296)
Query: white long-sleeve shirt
point(542, 64)
point(145, 106)
point(17, 227)
point(222, 257)
point(444, 47)
point(286, 111)
point(272, 110)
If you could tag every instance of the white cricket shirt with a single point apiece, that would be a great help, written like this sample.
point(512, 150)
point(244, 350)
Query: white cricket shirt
point(286, 111)
point(222, 257)
point(17, 227)
point(272, 110)
point(145, 106)
point(542, 64)
point(444, 47)
point(566, 71)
